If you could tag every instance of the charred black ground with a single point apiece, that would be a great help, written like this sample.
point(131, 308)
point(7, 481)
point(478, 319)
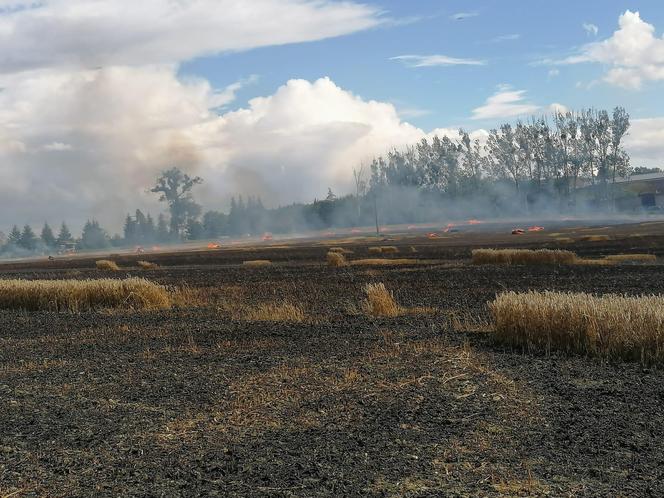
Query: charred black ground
point(199, 401)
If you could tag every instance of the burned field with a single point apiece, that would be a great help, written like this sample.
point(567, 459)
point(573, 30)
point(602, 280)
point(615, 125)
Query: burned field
point(276, 380)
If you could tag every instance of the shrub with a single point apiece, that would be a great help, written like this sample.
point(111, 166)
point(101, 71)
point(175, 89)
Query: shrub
point(612, 326)
point(380, 301)
point(107, 265)
point(375, 250)
point(81, 295)
point(522, 257)
point(147, 265)
point(257, 263)
point(276, 312)
point(336, 259)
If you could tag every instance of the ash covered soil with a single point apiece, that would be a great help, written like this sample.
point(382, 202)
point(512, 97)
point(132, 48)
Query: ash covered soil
point(201, 401)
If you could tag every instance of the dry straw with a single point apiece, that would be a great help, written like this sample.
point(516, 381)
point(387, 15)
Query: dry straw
point(82, 295)
point(341, 250)
point(107, 265)
point(384, 262)
point(611, 326)
point(336, 259)
point(380, 301)
point(147, 265)
point(257, 263)
point(383, 250)
point(631, 257)
point(523, 257)
point(276, 312)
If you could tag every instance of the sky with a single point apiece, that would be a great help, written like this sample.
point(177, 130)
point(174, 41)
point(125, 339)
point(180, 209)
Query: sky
point(283, 98)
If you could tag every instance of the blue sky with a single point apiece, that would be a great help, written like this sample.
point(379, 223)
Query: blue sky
point(283, 98)
point(509, 35)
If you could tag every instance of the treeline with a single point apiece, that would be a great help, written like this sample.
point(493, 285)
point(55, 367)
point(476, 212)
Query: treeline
point(526, 168)
point(542, 161)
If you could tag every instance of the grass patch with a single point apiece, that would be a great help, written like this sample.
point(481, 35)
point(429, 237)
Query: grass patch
point(380, 301)
point(336, 259)
point(82, 295)
point(611, 326)
point(276, 312)
point(375, 250)
point(522, 257)
point(384, 262)
point(257, 263)
point(147, 265)
point(631, 257)
point(107, 265)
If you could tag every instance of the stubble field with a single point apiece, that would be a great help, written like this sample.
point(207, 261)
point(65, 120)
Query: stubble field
point(274, 380)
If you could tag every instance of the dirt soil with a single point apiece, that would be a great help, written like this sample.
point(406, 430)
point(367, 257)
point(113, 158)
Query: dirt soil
point(201, 401)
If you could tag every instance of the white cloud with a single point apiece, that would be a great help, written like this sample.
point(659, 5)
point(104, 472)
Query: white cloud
point(556, 108)
point(436, 60)
point(58, 147)
point(645, 142)
point(505, 103)
point(554, 72)
point(460, 16)
point(590, 28)
point(93, 33)
point(502, 38)
point(287, 146)
point(633, 53)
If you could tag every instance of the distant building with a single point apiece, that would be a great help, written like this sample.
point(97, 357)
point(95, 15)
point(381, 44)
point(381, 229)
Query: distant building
point(635, 192)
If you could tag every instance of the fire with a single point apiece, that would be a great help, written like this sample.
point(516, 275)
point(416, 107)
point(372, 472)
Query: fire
point(267, 236)
point(449, 227)
point(474, 222)
point(432, 235)
point(535, 229)
point(213, 245)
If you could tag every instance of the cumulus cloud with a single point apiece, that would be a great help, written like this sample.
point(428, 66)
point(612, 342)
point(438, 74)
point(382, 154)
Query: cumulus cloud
point(505, 103)
point(633, 53)
point(92, 33)
point(645, 142)
point(78, 158)
point(436, 60)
